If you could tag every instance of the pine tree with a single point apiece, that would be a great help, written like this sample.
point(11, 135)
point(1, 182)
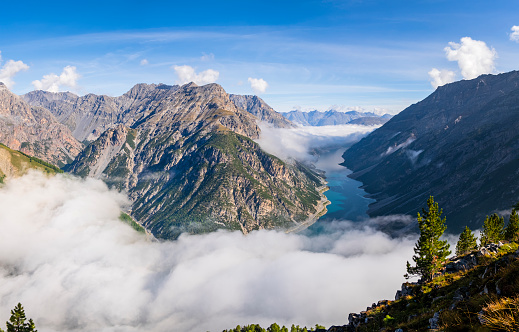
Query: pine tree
point(17, 321)
point(493, 230)
point(512, 230)
point(430, 251)
point(466, 242)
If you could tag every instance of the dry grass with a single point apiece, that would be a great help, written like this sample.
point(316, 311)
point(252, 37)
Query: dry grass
point(502, 314)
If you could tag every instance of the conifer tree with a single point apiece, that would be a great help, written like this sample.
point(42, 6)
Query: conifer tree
point(466, 242)
point(17, 322)
point(512, 229)
point(430, 251)
point(493, 230)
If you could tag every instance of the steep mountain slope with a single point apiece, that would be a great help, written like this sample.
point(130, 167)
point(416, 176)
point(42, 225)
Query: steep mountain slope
point(460, 144)
point(257, 107)
point(187, 158)
point(15, 163)
point(333, 117)
point(34, 130)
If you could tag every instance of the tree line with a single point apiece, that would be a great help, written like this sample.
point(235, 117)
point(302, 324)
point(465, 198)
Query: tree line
point(431, 252)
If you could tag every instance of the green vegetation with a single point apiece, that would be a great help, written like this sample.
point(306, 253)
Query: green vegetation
point(512, 230)
point(22, 163)
point(431, 252)
point(274, 328)
point(129, 220)
point(220, 180)
point(18, 322)
point(467, 242)
point(493, 230)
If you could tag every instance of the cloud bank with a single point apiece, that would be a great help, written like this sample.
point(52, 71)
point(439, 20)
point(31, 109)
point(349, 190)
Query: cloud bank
point(302, 143)
point(474, 57)
point(75, 267)
point(9, 70)
point(441, 77)
point(259, 85)
point(187, 74)
point(514, 35)
point(53, 82)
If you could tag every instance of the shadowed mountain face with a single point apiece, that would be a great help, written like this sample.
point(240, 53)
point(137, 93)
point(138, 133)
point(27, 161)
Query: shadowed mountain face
point(460, 144)
point(34, 130)
point(186, 156)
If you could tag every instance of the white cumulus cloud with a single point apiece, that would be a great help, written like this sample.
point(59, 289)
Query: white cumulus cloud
point(188, 74)
point(75, 267)
point(9, 70)
point(144, 62)
point(259, 85)
point(53, 82)
point(474, 57)
point(441, 77)
point(515, 33)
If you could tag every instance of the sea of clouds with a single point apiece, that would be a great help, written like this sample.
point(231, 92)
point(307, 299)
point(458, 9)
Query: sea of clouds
point(75, 267)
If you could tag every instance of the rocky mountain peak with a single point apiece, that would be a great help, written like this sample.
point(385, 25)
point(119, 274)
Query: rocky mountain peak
point(34, 130)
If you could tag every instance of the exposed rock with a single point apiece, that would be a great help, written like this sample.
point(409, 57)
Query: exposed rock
point(187, 159)
point(459, 144)
point(257, 107)
point(433, 322)
point(34, 130)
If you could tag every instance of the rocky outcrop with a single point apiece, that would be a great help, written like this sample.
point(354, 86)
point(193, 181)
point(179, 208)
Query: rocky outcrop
point(90, 115)
point(459, 144)
point(187, 159)
point(34, 130)
point(257, 107)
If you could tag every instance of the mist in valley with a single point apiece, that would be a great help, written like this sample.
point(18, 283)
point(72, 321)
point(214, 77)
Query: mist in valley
point(77, 267)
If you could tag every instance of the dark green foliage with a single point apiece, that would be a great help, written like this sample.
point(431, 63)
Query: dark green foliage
point(18, 322)
point(431, 252)
point(512, 229)
point(273, 328)
point(493, 230)
point(129, 220)
point(466, 242)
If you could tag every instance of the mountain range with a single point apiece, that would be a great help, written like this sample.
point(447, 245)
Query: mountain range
point(334, 117)
point(186, 156)
point(459, 144)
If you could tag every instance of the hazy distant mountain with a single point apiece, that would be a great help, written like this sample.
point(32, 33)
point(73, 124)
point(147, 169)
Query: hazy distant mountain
point(34, 130)
point(460, 144)
point(333, 117)
point(185, 155)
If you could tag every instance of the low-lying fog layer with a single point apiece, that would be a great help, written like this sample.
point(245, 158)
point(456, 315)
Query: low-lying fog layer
point(300, 142)
point(75, 267)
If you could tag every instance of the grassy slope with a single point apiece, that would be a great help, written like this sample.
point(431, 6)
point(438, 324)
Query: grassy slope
point(460, 298)
point(22, 163)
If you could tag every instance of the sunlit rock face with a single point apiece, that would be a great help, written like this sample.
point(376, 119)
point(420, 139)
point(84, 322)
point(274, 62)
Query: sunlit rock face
point(34, 130)
point(186, 156)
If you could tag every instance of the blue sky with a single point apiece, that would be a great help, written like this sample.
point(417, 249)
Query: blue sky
point(308, 54)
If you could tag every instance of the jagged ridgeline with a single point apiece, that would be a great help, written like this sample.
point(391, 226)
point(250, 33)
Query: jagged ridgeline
point(187, 158)
point(460, 144)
